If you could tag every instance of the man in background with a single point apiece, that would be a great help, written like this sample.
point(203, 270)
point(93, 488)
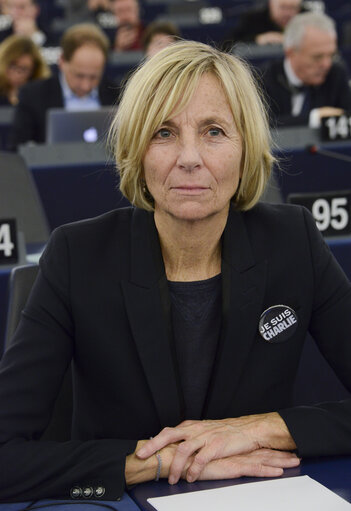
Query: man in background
point(264, 24)
point(78, 86)
point(158, 35)
point(130, 28)
point(23, 20)
point(77, 11)
point(308, 83)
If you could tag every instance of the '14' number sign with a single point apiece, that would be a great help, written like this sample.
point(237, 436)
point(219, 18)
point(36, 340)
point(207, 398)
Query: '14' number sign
point(8, 242)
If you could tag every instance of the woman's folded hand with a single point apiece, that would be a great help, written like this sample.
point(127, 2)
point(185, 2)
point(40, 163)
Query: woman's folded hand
point(201, 442)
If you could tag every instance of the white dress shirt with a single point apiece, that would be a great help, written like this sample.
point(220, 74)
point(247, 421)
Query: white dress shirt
point(298, 98)
point(73, 102)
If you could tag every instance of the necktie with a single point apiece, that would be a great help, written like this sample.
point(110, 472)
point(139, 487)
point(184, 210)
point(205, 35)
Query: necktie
point(306, 105)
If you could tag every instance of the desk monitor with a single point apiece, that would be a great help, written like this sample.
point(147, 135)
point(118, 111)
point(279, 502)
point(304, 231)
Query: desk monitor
point(77, 125)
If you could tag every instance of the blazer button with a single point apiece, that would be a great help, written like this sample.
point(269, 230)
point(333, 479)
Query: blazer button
point(88, 492)
point(76, 492)
point(99, 492)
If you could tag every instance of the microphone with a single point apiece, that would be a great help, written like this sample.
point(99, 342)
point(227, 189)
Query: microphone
point(315, 149)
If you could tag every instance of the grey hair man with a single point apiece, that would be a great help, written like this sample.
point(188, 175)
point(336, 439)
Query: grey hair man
point(308, 83)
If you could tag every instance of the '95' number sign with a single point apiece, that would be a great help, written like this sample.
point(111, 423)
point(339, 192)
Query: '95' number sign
point(8, 242)
point(331, 211)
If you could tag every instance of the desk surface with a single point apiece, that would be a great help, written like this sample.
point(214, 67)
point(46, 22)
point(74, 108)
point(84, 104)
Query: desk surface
point(333, 472)
point(301, 171)
point(74, 181)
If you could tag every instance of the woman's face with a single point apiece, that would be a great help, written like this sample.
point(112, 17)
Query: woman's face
point(192, 165)
point(20, 71)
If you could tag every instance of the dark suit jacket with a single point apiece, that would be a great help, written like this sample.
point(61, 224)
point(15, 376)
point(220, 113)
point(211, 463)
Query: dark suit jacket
point(5, 33)
point(335, 91)
point(36, 98)
point(101, 297)
point(48, 39)
point(252, 23)
point(4, 101)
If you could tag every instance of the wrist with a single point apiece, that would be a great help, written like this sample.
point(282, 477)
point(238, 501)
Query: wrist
point(273, 433)
point(137, 470)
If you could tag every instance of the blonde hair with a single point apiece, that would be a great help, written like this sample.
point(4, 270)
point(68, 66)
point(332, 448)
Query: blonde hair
point(11, 49)
point(163, 86)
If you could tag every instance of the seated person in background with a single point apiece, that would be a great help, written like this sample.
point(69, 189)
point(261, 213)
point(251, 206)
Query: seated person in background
point(129, 25)
point(172, 310)
point(5, 20)
point(84, 10)
point(158, 35)
point(20, 62)
point(78, 86)
point(265, 24)
point(308, 84)
point(24, 14)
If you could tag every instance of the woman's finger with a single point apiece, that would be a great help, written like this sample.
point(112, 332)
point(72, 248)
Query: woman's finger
point(181, 458)
point(215, 447)
point(165, 437)
point(184, 430)
point(274, 458)
point(254, 464)
point(215, 443)
point(229, 468)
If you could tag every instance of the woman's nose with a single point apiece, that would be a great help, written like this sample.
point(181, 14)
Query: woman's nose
point(189, 157)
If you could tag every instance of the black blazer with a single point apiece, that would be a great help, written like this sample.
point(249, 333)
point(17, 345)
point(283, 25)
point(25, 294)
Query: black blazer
point(335, 91)
point(49, 40)
point(4, 100)
point(101, 297)
point(36, 98)
point(251, 23)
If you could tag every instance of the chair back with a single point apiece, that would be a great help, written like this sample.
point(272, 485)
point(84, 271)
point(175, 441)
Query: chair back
point(20, 199)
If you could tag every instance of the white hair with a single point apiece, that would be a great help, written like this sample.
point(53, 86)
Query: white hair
point(296, 28)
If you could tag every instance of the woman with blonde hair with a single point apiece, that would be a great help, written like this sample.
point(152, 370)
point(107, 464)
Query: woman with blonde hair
point(186, 314)
point(20, 62)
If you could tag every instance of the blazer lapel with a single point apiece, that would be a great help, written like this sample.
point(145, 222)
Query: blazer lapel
point(243, 290)
point(148, 309)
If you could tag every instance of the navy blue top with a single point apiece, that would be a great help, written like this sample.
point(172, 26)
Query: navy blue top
point(196, 321)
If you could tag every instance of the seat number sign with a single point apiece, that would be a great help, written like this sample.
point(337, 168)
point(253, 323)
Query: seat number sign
point(336, 128)
point(331, 210)
point(8, 242)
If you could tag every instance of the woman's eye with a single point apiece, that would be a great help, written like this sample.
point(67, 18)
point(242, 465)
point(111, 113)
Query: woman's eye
point(163, 133)
point(215, 132)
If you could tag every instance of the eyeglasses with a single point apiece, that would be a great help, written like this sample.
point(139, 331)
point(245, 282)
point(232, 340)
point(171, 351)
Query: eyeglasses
point(21, 70)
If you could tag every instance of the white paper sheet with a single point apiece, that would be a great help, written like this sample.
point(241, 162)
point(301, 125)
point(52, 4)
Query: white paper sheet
point(290, 494)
